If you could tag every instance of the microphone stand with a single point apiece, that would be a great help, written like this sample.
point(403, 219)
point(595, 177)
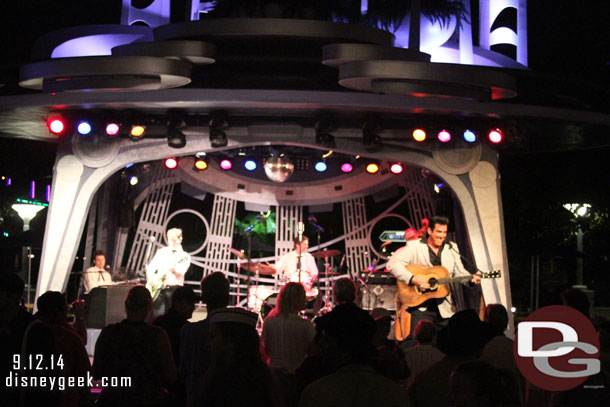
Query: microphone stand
point(248, 232)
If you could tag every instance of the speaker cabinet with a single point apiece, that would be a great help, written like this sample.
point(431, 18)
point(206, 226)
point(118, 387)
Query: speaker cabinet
point(106, 305)
point(378, 296)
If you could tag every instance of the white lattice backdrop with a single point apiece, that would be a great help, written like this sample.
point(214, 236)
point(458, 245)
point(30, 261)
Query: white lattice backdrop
point(419, 200)
point(220, 236)
point(356, 239)
point(154, 213)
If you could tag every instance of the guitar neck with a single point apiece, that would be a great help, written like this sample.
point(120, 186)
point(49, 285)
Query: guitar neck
point(454, 279)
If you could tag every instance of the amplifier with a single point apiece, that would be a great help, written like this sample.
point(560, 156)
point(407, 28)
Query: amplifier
point(378, 296)
point(378, 278)
point(106, 305)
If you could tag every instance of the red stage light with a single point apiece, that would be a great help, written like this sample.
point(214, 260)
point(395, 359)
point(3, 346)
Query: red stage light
point(171, 163)
point(56, 125)
point(496, 136)
point(396, 168)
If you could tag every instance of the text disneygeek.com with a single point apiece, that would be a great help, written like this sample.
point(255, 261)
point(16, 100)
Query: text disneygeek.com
point(19, 380)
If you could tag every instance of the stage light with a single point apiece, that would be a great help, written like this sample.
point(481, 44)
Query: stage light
point(226, 165)
point(323, 128)
point(347, 167)
point(321, 166)
point(137, 131)
point(470, 136)
point(438, 187)
point(133, 180)
point(218, 123)
point(56, 126)
point(84, 128)
point(396, 168)
point(372, 168)
point(250, 165)
point(444, 136)
point(495, 136)
point(112, 129)
point(171, 163)
point(200, 164)
point(419, 135)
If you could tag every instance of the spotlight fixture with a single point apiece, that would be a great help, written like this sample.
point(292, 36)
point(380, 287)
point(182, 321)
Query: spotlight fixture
point(372, 168)
point(133, 180)
point(321, 166)
point(56, 126)
point(347, 167)
point(496, 136)
point(226, 165)
point(250, 165)
point(175, 137)
point(323, 128)
point(419, 135)
point(396, 168)
point(218, 123)
point(112, 129)
point(171, 163)
point(438, 187)
point(370, 135)
point(470, 136)
point(200, 164)
point(84, 128)
point(137, 131)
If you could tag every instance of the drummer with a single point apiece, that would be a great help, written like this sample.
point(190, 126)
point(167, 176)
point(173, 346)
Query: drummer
point(287, 267)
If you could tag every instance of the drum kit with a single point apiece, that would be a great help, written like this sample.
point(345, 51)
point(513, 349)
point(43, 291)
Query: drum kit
point(262, 298)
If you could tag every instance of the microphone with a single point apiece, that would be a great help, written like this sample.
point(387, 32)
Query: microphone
point(152, 238)
point(314, 222)
point(312, 218)
point(249, 228)
point(342, 261)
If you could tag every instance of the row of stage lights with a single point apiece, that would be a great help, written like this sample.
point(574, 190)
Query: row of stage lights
point(201, 164)
point(58, 126)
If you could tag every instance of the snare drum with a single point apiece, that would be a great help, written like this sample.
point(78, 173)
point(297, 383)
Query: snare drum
point(258, 294)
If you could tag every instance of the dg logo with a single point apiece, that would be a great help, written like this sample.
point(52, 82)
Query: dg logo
point(557, 348)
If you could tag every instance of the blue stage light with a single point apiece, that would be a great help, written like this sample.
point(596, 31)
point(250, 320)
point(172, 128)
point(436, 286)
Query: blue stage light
point(321, 166)
point(470, 136)
point(84, 128)
point(250, 165)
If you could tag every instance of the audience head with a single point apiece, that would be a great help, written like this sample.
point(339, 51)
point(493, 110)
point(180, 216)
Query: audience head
point(577, 299)
point(215, 291)
point(291, 299)
point(348, 333)
point(52, 307)
point(183, 301)
point(138, 303)
point(477, 383)
point(425, 332)
point(383, 321)
point(465, 334)
point(496, 315)
point(233, 336)
point(344, 291)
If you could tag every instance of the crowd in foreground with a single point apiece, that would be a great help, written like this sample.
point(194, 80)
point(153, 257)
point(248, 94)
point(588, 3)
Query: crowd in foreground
point(343, 358)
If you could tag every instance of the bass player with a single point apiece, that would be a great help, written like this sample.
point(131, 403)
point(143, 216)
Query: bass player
point(432, 250)
point(166, 271)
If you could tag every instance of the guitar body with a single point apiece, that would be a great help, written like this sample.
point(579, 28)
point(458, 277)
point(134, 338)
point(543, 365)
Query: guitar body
point(412, 296)
point(155, 286)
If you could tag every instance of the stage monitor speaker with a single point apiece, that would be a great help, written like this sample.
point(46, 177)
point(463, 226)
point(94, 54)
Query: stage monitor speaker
point(106, 305)
point(378, 296)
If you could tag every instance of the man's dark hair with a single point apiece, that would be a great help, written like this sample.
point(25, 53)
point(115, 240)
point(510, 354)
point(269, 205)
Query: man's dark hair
point(99, 253)
point(344, 290)
point(215, 290)
point(425, 332)
point(185, 294)
point(51, 302)
point(438, 220)
point(496, 315)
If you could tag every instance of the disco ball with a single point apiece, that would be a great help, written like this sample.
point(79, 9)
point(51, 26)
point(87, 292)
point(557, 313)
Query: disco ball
point(279, 169)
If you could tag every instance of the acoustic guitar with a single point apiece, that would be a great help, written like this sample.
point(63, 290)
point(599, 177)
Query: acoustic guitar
point(411, 296)
point(156, 280)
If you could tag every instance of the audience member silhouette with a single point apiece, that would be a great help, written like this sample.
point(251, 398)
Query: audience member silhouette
point(133, 348)
point(237, 375)
point(20, 334)
point(194, 338)
point(577, 299)
point(53, 311)
point(425, 353)
point(181, 310)
point(344, 291)
point(347, 345)
point(477, 383)
point(390, 359)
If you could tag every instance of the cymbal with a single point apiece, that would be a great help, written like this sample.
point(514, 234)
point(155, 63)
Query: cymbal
point(237, 253)
point(326, 253)
point(259, 268)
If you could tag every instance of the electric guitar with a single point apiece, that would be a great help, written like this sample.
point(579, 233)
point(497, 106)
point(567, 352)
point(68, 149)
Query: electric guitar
point(156, 280)
point(438, 278)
